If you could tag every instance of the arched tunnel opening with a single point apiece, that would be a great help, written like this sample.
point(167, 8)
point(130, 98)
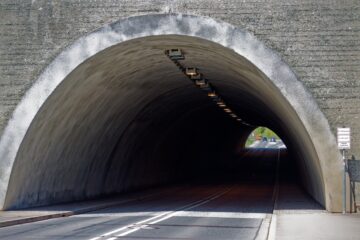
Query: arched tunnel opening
point(263, 137)
point(128, 118)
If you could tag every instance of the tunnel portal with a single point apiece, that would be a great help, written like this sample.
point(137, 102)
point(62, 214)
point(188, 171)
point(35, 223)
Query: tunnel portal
point(129, 118)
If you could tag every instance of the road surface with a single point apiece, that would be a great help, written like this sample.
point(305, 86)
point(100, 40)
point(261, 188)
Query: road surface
point(228, 210)
point(198, 212)
point(267, 144)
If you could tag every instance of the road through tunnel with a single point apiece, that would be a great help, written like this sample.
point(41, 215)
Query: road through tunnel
point(128, 118)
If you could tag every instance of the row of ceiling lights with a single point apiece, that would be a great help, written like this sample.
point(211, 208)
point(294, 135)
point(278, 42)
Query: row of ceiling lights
point(197, 78)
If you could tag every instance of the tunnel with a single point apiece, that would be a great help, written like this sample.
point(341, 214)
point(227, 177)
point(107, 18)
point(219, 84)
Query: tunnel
point(128, 118)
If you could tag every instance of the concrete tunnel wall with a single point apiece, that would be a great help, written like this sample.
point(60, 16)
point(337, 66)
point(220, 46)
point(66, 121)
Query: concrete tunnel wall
point(96, 135)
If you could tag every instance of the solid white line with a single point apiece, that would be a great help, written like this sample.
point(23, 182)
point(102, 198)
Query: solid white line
point(130, 225)
point(272, 229)
point(194, 205)
point(223, 214)
point(162, 217)
point(263, 231)
point(267, 230)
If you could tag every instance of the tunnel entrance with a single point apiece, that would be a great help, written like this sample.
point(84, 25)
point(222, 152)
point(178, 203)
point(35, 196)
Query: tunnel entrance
point(128, 118)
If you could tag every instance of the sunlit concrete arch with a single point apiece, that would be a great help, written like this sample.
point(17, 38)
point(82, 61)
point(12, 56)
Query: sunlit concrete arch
point(314, 140)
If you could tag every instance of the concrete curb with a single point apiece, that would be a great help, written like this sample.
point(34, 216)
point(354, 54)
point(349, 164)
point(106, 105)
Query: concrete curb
point(34, 219)
point(263, 231)
point(272, 227)
point(59, 214)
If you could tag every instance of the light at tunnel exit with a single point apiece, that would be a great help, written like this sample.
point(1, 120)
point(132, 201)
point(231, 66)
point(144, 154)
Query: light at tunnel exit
point(263, 137)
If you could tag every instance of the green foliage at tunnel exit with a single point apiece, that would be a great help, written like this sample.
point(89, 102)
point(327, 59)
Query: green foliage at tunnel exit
point(259, 133)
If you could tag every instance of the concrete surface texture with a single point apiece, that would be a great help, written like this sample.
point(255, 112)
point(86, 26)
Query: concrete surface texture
point(317, 226)
point(299, 218)
point(317, 39)
point(120, 121)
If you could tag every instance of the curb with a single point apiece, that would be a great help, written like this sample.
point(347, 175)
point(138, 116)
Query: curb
point(68, 213)
point(263, 231)
point(35, 219)
point(272, 227)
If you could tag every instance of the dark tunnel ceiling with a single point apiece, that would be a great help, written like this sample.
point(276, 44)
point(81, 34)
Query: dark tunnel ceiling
point(116, 120)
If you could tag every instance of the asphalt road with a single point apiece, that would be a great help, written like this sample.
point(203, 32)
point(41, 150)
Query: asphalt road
point(267, 144)
point(217, 211)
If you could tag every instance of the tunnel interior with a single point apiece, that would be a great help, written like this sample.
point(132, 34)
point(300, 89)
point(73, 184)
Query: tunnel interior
point(128, 118)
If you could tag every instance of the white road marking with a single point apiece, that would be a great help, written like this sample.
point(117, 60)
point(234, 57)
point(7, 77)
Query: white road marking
point(161, 217)
point(117, 215)
point(222, 214)
point(272, 229)
point(263, 231)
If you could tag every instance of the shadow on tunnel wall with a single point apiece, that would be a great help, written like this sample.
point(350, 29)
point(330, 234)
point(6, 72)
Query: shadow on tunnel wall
point(127, 118)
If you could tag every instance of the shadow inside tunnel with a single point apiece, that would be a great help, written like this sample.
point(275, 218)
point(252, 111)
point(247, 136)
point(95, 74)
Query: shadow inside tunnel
point(252, 175)
point(256, 183)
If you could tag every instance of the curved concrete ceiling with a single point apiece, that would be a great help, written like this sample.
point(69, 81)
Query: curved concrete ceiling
point(128, 118)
